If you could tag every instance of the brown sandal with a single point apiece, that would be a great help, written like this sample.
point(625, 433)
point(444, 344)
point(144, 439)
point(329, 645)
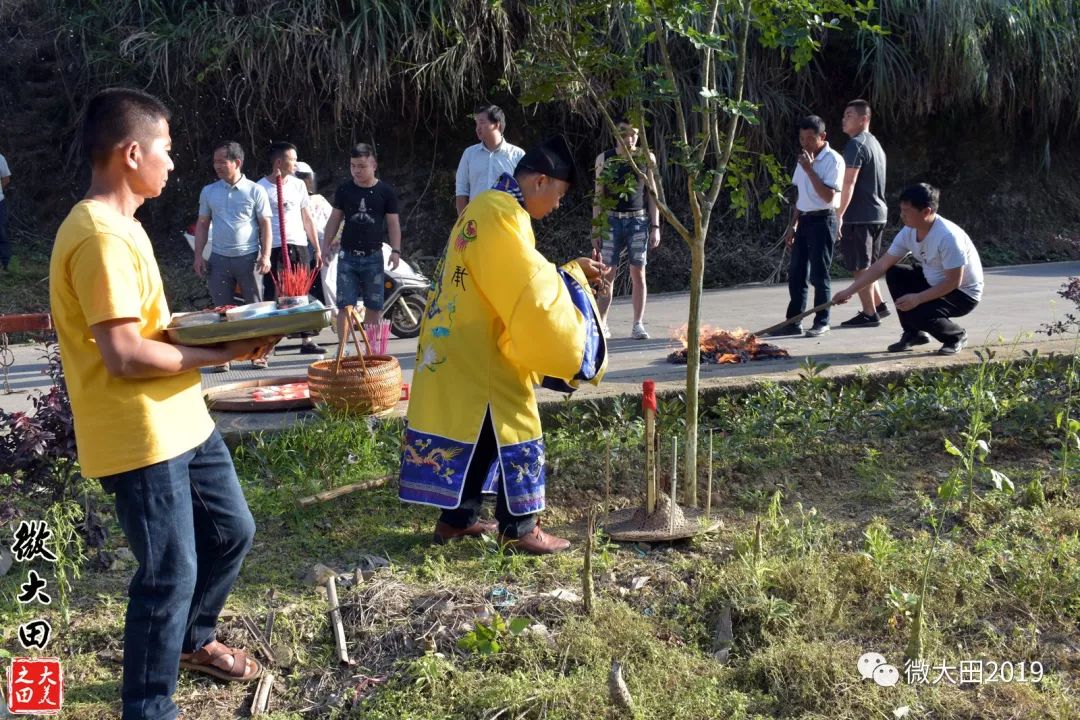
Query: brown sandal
point(243, 668)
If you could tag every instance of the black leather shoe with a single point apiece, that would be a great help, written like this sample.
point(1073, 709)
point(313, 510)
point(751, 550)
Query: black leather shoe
point(861, 319)
point(951, 348)
point(909, 340)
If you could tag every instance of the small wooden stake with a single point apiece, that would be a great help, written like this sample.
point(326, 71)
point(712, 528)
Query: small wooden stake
point(649, 409)
point(261, 702)
point(708, 487)
point(335, 619)
point(586, 571)
point(607, 469)
point(674, 483)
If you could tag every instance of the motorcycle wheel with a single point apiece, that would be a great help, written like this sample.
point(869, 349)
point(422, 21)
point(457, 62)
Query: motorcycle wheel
point(400, 324)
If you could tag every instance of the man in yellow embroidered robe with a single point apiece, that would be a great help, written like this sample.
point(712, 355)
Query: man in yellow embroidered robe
point(499, 318)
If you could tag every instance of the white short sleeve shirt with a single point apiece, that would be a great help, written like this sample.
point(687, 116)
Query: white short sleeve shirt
point(829, 166)
point(945, 247)
point(295, 195)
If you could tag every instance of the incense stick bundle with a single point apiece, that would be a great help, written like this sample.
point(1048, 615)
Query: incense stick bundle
point(290, 281)
point(648, 407)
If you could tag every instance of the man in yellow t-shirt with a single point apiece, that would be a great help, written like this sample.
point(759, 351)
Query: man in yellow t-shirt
point(140, 423)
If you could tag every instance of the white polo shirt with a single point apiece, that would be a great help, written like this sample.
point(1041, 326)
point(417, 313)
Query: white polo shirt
point(479, 167)
point(295, 195)
point(945, 247)
point(829, 166)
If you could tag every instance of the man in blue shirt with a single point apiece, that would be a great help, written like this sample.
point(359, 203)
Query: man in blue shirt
point(240, 252)
point(482, 164)
point(240, 212)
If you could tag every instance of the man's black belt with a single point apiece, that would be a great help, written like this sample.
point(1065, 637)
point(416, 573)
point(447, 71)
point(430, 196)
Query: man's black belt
point(363, 253)
point(818, 213)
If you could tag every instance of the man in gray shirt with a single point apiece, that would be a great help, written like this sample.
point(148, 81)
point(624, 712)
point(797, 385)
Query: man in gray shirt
point(863, 211)
point(240, 253)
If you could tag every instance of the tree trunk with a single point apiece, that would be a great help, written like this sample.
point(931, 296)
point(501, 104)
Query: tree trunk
point(693, 359)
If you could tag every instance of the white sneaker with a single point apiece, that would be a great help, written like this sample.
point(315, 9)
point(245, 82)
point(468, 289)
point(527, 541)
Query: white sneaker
point(639, 332)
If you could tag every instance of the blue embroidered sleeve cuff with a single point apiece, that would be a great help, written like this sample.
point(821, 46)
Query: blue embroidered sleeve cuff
point(595, 348)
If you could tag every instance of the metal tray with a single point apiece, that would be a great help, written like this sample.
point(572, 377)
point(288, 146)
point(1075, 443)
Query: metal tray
point(313, 320)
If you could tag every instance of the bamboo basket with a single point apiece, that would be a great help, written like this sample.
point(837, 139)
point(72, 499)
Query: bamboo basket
point(365, 385)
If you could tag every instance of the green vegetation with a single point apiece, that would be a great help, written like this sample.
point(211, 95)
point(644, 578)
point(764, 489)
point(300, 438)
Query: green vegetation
point(832, 500)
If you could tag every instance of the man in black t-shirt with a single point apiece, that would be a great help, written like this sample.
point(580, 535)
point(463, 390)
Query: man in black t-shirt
point(633, 221)
point(369, 209)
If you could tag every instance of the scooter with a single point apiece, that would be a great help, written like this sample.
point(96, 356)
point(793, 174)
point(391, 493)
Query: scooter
point(405, 297)
point(404, 291)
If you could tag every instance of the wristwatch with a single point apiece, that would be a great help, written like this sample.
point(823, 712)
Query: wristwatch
point(394, 250)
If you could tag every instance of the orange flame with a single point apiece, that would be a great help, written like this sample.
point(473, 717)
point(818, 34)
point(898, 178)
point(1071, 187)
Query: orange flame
point(723, 346)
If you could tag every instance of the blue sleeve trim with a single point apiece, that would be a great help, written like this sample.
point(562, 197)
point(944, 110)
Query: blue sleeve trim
point(595, 348)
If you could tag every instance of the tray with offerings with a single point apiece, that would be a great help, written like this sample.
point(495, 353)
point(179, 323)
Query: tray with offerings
point(224, 324)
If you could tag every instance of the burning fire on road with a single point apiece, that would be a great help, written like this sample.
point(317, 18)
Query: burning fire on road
point(723, 346)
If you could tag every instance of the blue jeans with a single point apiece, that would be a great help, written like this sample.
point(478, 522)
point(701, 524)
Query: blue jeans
point(360, 274)
point(189, 527)
point(811, 256)
point(631, 233)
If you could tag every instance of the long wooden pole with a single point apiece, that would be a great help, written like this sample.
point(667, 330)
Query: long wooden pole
point(648, 406)
point(708, 487)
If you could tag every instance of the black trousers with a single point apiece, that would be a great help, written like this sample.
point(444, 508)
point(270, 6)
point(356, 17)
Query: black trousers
point(472, 499)
point(930, 317)
point(811, 257)
point(298, 255)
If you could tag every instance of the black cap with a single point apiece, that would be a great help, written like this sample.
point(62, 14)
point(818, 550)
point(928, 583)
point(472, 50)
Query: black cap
point(552, 158)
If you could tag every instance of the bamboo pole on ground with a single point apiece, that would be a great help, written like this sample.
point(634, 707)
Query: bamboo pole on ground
point(335, 620)
point(261, 702)
point(345, 490)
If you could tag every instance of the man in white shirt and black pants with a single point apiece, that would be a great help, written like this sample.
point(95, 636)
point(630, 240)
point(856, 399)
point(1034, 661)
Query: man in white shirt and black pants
point(950, 283)
point(814, 227)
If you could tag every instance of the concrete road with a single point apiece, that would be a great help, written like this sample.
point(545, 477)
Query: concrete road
point(1018, 300)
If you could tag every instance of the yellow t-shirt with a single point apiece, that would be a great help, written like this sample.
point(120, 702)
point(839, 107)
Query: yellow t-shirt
point(103, 268)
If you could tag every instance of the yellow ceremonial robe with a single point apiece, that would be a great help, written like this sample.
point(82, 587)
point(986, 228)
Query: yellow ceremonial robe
point(499, 317)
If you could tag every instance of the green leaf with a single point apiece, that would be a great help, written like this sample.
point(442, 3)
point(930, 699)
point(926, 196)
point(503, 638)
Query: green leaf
point(518, 625)
point(952, 449)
